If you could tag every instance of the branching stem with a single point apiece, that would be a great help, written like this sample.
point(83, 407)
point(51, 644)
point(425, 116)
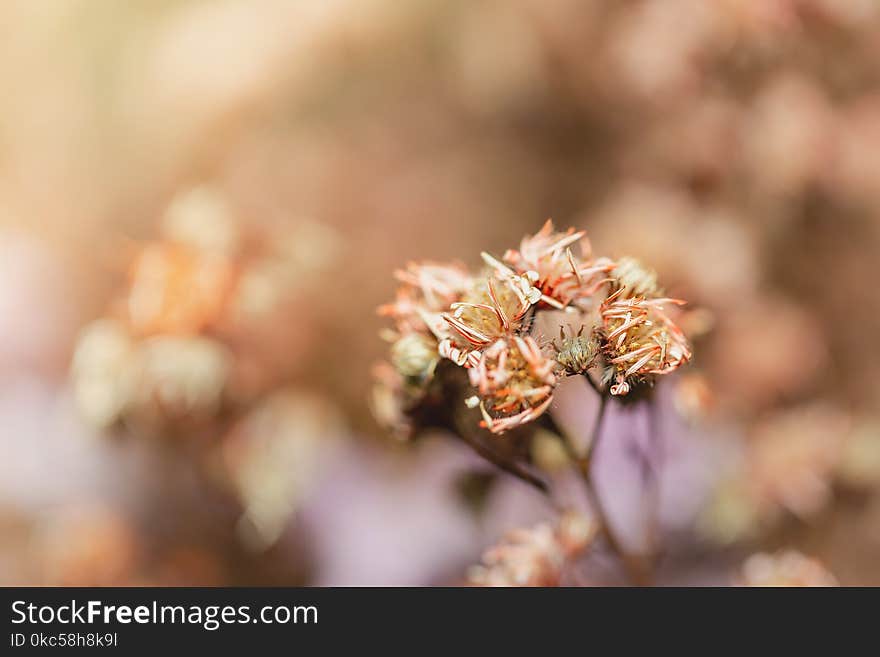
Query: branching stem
point(634, 567)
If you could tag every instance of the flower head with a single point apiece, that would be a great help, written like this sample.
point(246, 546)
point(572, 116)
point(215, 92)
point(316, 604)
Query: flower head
point(633, 279)
point(514, 381)
point(536, 556)
point(427, 288)
point(788, 568)
point(639, 340)
point(415, 355)
point(561, 275)
point(495, 307)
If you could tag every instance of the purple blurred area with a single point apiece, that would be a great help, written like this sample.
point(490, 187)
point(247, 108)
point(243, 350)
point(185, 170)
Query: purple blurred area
point(202, 204)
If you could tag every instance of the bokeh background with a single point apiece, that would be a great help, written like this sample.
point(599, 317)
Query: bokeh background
point(266, 165)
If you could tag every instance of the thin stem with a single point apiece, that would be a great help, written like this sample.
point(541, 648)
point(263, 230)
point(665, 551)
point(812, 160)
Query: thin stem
point(597, 432)
point(593, 384)
point(511, 467)
point(452, 384)
point(633, 566)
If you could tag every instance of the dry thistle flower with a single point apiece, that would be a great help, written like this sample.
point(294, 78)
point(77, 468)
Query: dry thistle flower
point(495, 307)
point(788, 568)
point(183, 282)
point(427, 289)
point(640, 340)
point(562, 276)
point(116, 376)
point(536, 556)
point(515, 383)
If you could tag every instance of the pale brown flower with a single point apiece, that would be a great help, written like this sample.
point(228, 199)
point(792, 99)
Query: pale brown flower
point(484, 324)
point(495, 307)
point(514, 381)
point(422, 335)
point(633, 279)
point(536, 556)
point(116, 376)
point(640, 340)
point(561, 275)
point(788, 568)
point(415, 355)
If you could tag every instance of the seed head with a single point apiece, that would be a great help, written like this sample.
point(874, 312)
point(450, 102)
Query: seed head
point(495, 307)
point(514, 382)
point(576, 353)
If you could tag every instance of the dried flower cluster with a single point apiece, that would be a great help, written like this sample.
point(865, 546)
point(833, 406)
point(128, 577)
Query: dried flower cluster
point(484, 323)
point(536, 556)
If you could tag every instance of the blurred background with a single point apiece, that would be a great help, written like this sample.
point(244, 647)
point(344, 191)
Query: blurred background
point(202, 202)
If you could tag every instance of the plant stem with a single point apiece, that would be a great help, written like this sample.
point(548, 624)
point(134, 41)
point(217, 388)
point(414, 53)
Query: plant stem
point(593, 384)
point(633, 566)
point(510, 467)
point(597, 432)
